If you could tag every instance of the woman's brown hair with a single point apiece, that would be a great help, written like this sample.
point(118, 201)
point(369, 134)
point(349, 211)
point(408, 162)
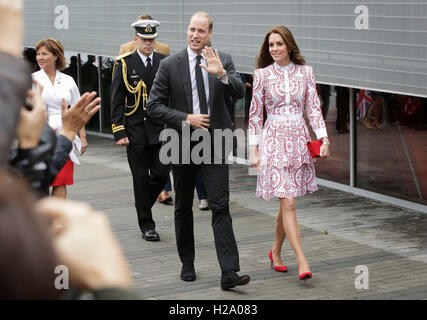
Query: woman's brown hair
point(264, 57)
point(57, 50)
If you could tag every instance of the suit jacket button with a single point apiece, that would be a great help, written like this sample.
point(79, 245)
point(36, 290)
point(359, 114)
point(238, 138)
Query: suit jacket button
point(145, 119)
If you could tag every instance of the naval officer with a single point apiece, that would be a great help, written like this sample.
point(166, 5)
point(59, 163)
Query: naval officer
point(133, 76)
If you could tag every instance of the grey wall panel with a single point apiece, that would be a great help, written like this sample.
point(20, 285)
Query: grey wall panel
point(391, 55)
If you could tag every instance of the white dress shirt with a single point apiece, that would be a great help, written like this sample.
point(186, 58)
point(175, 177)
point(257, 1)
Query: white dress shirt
point(192, 60)
point(65, 88)
point(144, 58)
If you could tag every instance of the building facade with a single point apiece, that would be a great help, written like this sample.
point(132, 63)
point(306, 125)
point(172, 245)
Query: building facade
point(369, 59)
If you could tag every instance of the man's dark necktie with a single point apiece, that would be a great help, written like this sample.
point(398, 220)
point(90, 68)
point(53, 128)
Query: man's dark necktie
point(148, 67)
point(201, 87)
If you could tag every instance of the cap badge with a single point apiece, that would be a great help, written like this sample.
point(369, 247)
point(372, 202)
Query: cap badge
point(148, 29)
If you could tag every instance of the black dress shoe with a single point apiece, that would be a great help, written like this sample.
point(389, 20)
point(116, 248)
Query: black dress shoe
point(188, 273)
point(231, 280)
point(150, 235)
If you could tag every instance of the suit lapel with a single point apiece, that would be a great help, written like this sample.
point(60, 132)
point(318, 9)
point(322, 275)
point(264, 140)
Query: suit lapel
point(156, 63)
point(184, 69)
point(212, 80)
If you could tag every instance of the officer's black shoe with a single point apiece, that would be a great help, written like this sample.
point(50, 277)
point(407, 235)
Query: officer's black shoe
point(188, 273)
point(231, 279)
point(150, 235)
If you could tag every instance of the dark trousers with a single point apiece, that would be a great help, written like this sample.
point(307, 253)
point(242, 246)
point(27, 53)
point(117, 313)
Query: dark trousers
point(168, 185)
point(200, 186)
point(149, 177)
point(215, 178)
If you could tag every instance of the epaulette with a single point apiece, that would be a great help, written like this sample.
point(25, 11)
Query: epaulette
point(124, 55)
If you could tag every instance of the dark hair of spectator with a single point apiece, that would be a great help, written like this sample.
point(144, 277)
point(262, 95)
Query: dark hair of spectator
point(57, 50)
point(264, 57)
point(27, 257)
point(29, 55)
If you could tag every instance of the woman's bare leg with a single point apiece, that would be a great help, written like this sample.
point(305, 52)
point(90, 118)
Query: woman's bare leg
point(291, 227)
point(280, 235)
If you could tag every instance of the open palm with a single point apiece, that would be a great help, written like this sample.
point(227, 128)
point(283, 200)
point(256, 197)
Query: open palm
point(214, 62)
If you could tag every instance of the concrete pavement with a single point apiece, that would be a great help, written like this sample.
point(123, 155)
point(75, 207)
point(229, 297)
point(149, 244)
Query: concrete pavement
point(339, 231)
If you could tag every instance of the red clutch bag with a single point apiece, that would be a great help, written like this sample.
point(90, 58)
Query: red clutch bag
point(314, 148)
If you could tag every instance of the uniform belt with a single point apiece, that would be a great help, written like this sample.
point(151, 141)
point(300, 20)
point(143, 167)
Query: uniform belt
point(284, 117)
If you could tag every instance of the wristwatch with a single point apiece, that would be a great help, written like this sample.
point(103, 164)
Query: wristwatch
point(326, 143)
point(224, 73)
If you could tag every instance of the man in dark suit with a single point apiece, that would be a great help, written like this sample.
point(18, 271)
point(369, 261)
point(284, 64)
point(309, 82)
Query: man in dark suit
point(133, 77)
point(189, 91)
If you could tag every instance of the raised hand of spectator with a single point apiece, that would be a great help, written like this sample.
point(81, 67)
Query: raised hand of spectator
point(76, 117)
point(85, 243)
point(11, 26)
point(31, 122)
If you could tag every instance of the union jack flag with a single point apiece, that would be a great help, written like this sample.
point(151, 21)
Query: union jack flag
point(364, 100)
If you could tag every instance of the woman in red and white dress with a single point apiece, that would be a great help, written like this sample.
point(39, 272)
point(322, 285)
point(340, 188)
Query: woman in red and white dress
point(58, 86)
point(283, 86)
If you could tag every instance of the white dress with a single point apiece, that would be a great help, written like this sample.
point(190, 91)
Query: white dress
point(65, 88)
point(286, 169)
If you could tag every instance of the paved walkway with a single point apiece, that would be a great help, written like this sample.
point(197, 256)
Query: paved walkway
point(339, 232)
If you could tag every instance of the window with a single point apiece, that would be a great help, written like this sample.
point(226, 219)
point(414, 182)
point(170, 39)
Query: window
point(392, 145)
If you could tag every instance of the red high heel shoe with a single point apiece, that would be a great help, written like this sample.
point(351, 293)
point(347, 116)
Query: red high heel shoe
point(278, 268)
point(305, 275)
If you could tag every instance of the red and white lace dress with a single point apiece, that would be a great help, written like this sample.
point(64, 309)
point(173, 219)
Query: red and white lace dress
point(286, 169)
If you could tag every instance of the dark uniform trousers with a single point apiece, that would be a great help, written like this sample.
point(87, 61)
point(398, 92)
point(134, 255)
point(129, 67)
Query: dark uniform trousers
point(149, 177)
point(148, 173)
